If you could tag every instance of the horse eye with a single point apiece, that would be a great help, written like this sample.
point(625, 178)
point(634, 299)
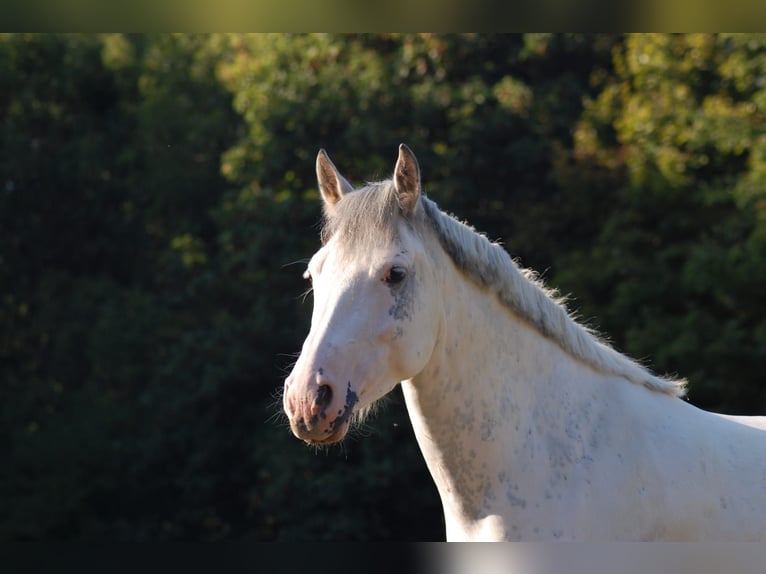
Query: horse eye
point(396, 275)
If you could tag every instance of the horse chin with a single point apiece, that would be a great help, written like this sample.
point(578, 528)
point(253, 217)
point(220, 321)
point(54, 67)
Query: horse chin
point(336, 436)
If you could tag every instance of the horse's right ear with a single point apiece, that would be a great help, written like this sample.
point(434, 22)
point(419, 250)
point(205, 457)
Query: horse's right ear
point(332, 185)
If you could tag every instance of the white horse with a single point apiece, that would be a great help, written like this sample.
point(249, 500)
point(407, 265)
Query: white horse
point(532, 427)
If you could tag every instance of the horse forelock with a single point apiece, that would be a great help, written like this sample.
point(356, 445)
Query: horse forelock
point(522, 291)
point(364, 218)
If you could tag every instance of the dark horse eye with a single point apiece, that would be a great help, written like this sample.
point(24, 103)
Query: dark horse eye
point(396, 275)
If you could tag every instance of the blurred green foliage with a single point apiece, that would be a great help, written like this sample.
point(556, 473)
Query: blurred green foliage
point(157, 203)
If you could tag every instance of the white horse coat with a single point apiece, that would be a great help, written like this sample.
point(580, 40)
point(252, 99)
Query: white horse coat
point(532, 428)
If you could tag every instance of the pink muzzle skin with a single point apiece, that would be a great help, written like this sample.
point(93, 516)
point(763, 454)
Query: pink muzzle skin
point(319, 415)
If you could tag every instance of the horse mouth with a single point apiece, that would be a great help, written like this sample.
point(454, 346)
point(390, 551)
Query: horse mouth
point(336, 436)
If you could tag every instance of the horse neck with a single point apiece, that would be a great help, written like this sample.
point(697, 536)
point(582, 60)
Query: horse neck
point(474, 404)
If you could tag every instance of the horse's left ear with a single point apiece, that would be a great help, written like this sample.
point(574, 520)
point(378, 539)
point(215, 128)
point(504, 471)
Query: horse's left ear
point(407, 180)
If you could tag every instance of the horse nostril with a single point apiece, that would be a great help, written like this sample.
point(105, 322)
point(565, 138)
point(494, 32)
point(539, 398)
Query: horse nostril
point(324, 396)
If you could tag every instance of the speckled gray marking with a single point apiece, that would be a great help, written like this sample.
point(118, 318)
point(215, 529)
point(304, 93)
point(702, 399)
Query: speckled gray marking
point(403, 295)
point(515, 500)
point(489, 494)
point(488, 427)
point(351, 400)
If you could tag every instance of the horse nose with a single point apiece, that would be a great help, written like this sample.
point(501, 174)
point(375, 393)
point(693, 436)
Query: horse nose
point(322, 400)
point(288, 398)
point(307, 404)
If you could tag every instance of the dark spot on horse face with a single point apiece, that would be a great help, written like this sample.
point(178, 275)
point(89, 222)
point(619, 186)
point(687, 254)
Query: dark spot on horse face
point(351, 397)
point(343, 415)
point(320, 371)
point(404, 295)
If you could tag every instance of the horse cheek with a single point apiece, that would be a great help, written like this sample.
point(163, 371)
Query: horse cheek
point(412, 344)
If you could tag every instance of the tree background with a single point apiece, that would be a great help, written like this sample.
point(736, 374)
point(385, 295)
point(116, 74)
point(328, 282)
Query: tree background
point(157, 202)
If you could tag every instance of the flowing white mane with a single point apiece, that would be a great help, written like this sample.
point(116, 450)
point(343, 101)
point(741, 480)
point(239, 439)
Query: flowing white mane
point(489, 265)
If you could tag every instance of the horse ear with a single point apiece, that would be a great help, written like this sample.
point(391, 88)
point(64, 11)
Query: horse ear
point(407, 180)
point(332, 185)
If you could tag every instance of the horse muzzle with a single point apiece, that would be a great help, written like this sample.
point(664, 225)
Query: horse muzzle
point(318, 412)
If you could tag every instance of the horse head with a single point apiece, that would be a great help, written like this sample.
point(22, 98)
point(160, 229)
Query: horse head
point(373, 323)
